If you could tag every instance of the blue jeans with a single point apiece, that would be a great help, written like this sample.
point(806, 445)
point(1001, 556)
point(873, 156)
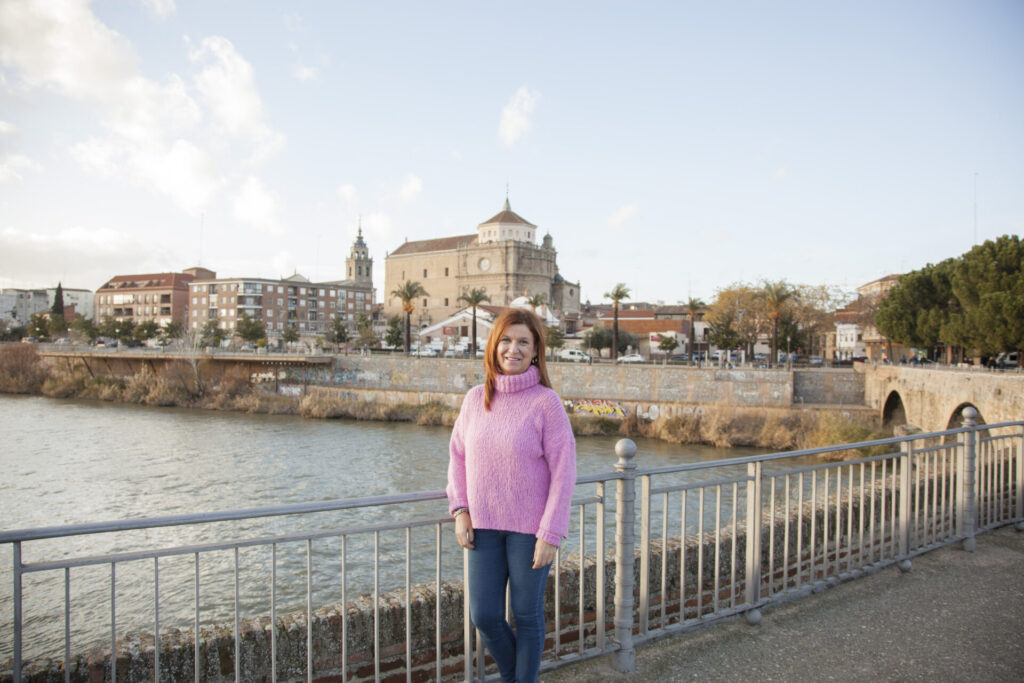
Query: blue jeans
point(499, 558)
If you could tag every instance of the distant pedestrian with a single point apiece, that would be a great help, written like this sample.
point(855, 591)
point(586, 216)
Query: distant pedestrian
point(511, 475)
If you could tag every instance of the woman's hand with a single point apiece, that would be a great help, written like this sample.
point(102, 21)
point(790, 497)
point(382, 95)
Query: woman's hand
point(464, 530)
point(543, 554)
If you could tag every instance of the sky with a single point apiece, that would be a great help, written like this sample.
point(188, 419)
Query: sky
point(677, 147)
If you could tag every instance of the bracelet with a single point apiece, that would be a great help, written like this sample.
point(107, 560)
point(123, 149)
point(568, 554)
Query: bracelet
point(459, 511)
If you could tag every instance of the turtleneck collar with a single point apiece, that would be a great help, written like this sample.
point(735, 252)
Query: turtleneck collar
point(509, 384)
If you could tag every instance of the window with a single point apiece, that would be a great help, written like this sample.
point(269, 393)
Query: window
point(322, 292)
point(424, 303)
point(446, 301)
point(424, 272)
point(446, 272)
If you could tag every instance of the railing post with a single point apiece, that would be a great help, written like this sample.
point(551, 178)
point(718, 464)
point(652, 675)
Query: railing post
point(967, 504)
point(907, 496)
point(753, 572)
point(1020, 481)
point(624, 658)
point(17, 611)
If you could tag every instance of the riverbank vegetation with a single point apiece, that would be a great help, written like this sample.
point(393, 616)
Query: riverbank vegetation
point(21, 371)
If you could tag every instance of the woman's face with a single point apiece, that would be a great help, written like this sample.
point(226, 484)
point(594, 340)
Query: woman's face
point(516, 350)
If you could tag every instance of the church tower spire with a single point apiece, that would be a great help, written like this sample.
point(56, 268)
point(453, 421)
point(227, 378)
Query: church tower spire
point(359, 265)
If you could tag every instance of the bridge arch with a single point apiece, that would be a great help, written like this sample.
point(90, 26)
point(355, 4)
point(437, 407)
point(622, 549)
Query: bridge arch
point(956, 419)
point(894, 413)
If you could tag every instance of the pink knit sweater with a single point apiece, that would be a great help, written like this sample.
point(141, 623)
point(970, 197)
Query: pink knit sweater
point(515, 466)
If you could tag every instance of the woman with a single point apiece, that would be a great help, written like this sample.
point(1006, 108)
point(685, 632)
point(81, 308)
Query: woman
point(510, 483)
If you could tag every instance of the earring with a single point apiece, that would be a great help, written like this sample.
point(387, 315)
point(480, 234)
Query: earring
point(534, 361)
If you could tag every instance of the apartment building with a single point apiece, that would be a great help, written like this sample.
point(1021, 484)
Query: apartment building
point(21, 304)
point(161, 297)
point(292, 302)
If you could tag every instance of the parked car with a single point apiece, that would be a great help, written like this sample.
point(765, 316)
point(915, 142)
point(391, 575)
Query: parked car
point(814, 360)
point(425, 352)
point(1008, 359)
point(632, 358)
point(679, 357)
point(574, 355)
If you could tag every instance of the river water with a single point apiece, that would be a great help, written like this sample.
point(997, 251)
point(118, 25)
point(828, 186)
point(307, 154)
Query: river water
point(67, 462)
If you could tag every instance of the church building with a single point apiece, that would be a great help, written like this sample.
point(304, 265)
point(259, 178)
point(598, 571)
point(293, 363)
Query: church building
point(502, 257)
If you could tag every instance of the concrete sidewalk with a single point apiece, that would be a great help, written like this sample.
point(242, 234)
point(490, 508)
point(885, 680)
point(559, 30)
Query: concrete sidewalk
point(956, 616)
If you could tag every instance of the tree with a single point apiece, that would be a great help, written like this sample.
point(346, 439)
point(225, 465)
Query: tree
point(554, 339)
point(667, 344)
point(597, 338)
point(290, 335)
point(474, 298)
point(736, 318)
point(364, 325)
point(57, 323)
point(173, 330)
point(145, 330)
point(250, 329)
point(211, 335)
point(775, 296)
point(393, 335)
point(39, 326)
point(337, 332)
point(975, 301)
point(914, 311)
point(619, 292)
point(11, 331)
point(407, 292)
point(693, 307)
point(536, 301)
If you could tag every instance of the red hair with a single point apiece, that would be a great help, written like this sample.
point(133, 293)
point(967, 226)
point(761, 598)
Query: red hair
point(513, 316)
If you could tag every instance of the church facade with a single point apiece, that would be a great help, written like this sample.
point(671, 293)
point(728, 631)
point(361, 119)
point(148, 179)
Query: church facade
point(502, 257)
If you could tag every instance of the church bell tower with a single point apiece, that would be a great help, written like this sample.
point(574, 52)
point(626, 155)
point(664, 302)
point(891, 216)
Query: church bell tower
point(359, 265)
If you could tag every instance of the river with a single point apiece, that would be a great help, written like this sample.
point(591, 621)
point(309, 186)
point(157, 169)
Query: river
point(70, 461)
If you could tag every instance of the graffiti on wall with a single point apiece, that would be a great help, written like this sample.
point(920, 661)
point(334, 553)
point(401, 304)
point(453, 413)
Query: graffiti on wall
point(598, 407)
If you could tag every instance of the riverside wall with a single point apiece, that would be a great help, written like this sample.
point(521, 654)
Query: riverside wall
point(602, 389)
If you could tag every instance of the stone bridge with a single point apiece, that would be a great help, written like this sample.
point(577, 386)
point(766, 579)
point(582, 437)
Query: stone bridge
point(934, 398)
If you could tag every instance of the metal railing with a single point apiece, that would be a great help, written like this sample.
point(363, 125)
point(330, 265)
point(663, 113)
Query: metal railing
point(716, 539)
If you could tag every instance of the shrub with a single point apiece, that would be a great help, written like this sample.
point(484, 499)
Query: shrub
point(20, 369)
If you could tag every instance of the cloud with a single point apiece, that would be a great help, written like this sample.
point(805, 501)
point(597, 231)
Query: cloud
point(162, 8)
point(227, 87)
point(412, 187)
point(7, 128)
point(348, 194)
point(303, 73)
point(621, 216)
point(257, 206)
point(283, 263)
point(515, 117)
point(85, 256)
point(378, 229)
point(11, 164)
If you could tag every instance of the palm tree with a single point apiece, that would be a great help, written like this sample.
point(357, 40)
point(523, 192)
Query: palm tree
point(693, 307)
point(536, 301)
point(474, 298)
point(407, 292)
point(775, 295)
point(618, 293)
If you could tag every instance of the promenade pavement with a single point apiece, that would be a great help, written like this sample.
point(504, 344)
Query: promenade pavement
point(956, 616)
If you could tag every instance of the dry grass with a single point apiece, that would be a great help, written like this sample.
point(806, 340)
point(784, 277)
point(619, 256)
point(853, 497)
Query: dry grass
point(21, 371)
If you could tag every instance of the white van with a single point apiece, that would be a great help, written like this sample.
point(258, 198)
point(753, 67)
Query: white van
point(573, 355)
